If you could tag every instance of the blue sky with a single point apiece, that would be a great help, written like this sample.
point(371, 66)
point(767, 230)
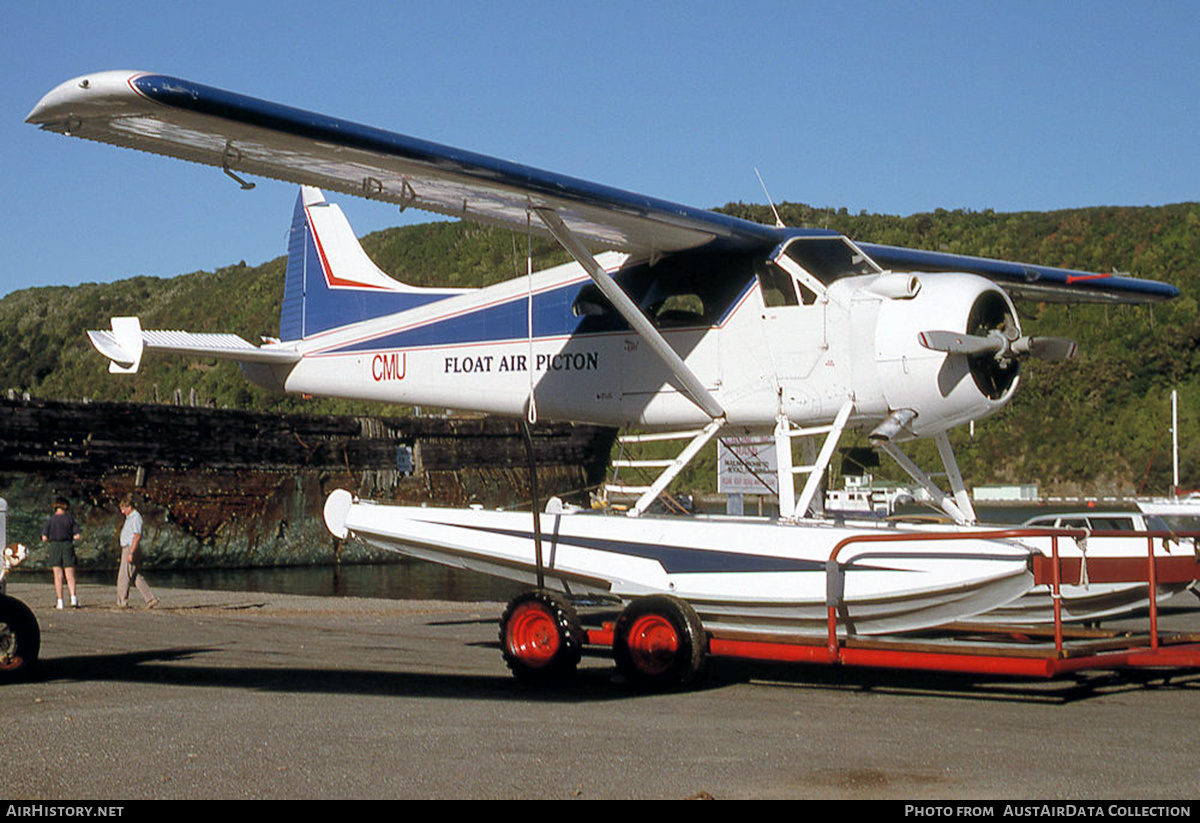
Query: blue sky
point(892, 107)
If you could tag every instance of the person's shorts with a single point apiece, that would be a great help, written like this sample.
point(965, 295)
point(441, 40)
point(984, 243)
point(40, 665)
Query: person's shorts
point(62, 553)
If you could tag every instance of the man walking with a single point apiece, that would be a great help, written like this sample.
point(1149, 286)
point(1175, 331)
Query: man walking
point(131, 558)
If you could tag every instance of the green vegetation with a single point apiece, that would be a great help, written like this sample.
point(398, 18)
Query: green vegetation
point(1098, 424)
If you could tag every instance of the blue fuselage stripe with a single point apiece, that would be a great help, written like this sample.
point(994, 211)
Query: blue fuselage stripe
point(553, 316)
point(675, 559)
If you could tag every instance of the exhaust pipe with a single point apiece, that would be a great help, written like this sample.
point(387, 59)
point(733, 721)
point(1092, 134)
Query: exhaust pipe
point(891, 427)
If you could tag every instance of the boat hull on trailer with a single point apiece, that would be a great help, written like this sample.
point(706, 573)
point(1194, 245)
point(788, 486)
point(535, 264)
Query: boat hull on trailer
point(752, 575)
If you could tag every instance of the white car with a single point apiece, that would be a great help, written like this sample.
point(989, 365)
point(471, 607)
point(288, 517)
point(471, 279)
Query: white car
point(1101, 521)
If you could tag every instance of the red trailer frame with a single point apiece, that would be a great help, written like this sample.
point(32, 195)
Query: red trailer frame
point(989, 649)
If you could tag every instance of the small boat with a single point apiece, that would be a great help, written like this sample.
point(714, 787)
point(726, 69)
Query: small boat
point(749, 574)
point(1114, 537)
point(1179, 513)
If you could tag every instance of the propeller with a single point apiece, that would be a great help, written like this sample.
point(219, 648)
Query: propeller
point(999, 344)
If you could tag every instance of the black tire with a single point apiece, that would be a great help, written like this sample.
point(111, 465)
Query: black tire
point(659, 643)
point(20, 640)
point(541, 638)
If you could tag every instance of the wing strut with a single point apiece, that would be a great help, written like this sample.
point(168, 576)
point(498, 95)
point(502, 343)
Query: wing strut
point(689, 382)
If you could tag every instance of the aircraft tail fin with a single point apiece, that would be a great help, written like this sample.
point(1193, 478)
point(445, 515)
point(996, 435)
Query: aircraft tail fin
point(330, 281)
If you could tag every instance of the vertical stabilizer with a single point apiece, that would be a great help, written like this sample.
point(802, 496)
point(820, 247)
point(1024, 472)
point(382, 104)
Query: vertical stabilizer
point(330, 281)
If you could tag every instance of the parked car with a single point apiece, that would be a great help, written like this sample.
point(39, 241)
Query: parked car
point(1101, 521)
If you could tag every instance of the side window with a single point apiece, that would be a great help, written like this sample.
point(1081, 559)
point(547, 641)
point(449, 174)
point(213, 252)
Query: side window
point(1111, 524)
point(591, 303)
point(679, 310)
point(777, 287)
point(1154, 523)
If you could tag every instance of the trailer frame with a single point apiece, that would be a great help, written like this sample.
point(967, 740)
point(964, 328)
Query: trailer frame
point(1024, 651)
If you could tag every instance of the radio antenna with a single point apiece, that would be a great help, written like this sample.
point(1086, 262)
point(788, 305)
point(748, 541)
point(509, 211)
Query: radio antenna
point(778, 223)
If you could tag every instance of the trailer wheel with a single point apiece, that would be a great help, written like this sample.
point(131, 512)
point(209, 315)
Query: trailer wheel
point(20, 640)
point(659, 643)
point(541, 637)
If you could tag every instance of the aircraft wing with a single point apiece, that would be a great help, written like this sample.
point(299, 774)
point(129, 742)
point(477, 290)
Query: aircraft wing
point(166, 115)
point(241, 134)
point(1027, 280)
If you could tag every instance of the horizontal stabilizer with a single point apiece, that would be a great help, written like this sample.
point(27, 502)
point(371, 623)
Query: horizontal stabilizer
point(127, 341)
point(123, 345)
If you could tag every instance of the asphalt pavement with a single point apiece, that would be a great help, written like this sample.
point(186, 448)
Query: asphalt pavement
point(219, 695)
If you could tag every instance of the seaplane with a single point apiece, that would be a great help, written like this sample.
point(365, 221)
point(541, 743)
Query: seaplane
point(678, 322)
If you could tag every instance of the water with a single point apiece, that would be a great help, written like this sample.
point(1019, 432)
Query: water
point(402, 580)
point(405, 579)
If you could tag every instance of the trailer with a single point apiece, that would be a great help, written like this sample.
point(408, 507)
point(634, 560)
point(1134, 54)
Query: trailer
point(658, 641)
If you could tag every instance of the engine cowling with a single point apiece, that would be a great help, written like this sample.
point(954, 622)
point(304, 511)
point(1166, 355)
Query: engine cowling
point(944, 389)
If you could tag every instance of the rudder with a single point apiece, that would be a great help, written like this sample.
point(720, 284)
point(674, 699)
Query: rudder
point(330, 281)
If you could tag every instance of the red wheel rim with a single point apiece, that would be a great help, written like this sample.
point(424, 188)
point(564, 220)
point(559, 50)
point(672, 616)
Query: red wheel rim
point(533, 635)
point(653, 644)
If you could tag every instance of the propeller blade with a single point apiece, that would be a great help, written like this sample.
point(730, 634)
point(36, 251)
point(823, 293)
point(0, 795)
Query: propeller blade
point(954, 342)
point(1045, 348)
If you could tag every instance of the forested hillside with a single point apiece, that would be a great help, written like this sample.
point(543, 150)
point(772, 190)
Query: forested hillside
point(1098, 424)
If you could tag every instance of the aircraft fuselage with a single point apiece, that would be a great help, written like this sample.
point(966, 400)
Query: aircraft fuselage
point(804, 358)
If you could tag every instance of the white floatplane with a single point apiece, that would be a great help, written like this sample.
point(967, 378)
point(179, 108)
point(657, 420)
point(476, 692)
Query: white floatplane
point(690, 323)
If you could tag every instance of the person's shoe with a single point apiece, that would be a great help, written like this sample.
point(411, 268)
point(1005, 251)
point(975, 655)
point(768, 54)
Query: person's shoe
point(59, 605)
point(74, 602)
point(152, 603)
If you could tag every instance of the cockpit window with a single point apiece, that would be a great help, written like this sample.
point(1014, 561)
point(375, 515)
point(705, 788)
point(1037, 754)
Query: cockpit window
point(830, 258)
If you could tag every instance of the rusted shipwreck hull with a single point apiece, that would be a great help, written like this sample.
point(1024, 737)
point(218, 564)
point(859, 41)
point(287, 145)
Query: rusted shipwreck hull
point(226, 487)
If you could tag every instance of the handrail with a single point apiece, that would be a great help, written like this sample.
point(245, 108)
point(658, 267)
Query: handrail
point(835, 578)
